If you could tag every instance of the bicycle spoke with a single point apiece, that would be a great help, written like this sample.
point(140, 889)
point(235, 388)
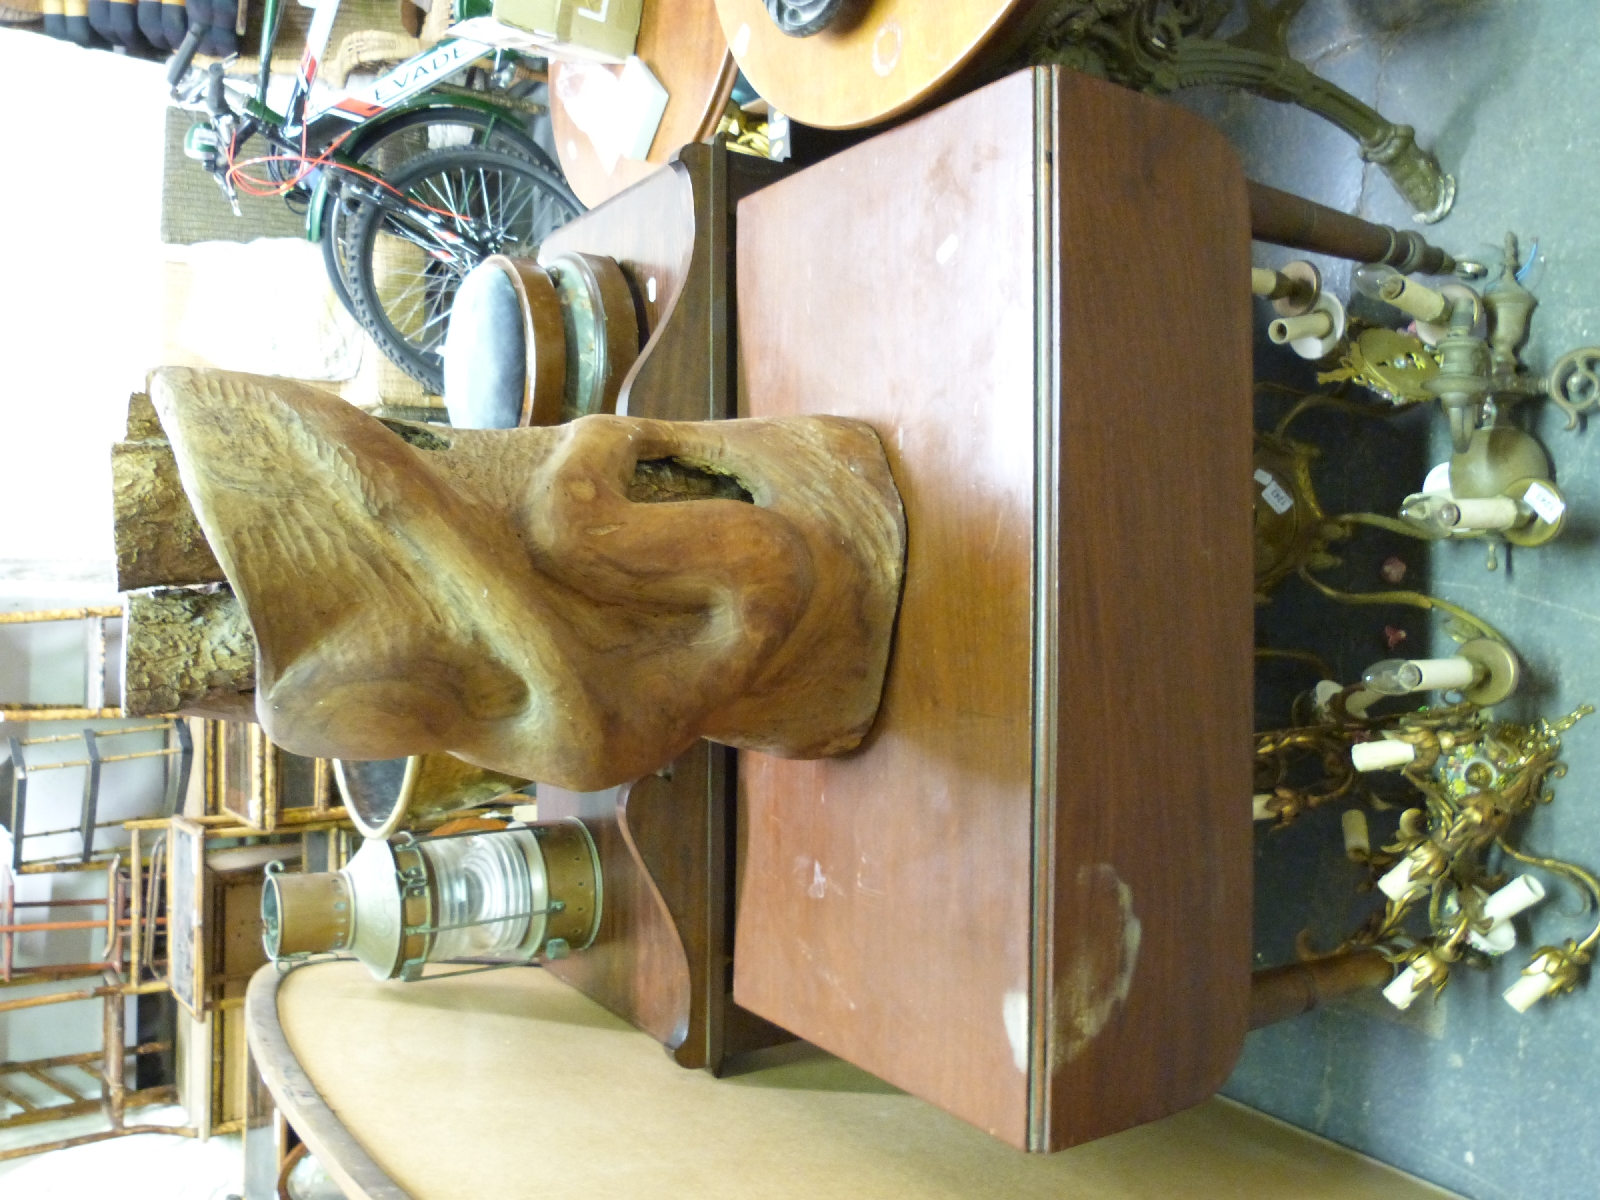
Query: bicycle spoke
point(410, 269)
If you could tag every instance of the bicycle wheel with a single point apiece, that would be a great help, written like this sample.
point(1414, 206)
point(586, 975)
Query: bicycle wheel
point(404, 279)
point(389, 144)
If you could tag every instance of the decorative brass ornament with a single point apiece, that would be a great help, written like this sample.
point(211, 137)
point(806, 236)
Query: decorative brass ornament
point(1477, 778)
point(1574, 382)
point(1395, 365)
point(1291, 530)
point(1159, 46)
point(745, 132)
point(1464, 351)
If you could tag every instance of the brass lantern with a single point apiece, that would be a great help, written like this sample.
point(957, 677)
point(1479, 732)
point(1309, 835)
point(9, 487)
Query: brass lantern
point(506, 895)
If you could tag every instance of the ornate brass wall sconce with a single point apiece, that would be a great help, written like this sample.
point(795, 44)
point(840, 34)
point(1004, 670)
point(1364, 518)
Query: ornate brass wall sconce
point(1485, 672)
point(1161, 46)
point(1451, 320)
point(1477, 778)
point(1499, 489)
point(1464, 352)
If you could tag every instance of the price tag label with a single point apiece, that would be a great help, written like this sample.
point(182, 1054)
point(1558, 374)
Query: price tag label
point(1544, 501)
point(1279, 500)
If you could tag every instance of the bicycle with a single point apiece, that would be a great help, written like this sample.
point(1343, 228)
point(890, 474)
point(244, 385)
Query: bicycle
point(408, 182)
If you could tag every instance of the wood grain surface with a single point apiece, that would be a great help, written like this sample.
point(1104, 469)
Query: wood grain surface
point(880, 59)
point(1026, 896)
point(1143, 982)
point(507, 1085)
point(502, 597)
point(681, 42)
point(661, 959)
point(884, 906)
point(654, 251)
point(639, 965)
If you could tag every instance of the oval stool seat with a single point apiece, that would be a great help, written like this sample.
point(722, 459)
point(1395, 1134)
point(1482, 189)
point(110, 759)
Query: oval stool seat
point(536, 345)
point(485, 353)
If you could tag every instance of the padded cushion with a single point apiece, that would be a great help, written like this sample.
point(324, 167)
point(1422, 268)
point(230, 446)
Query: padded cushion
point(485, 357)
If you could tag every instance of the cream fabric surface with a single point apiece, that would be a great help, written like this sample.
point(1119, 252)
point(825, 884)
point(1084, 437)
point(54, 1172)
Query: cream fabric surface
point(509, 1084)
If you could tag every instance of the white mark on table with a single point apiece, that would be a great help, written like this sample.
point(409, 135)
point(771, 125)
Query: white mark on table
point(1099, 964)
point(885, 48)
point(1014, 1012)
point(946, 250)
point(650, 289)
point(819, 882)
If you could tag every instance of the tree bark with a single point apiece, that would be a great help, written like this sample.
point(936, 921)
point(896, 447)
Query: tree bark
point(188, 650)
point(143, 423)
point(159, 542)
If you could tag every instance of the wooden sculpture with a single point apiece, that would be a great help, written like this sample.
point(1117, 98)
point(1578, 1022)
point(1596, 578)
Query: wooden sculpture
point(574, 604)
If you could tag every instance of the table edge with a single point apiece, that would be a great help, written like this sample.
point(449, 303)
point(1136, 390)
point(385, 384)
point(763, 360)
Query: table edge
point(340, 1154)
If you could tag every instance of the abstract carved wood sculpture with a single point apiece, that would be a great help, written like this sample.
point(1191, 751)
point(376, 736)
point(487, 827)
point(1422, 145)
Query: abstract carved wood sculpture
point(574, 604)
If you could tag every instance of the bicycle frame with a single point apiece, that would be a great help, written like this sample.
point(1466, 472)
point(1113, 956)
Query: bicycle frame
point(399, 92)
point(411, 78)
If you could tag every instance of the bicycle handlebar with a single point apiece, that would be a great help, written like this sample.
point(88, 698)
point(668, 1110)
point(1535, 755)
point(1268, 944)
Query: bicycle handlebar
point(183, 56)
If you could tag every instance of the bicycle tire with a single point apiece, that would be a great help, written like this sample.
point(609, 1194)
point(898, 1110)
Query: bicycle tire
point(384, 150)
point(505, 203)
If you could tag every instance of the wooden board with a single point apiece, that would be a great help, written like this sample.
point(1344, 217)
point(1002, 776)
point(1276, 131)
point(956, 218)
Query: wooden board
point(661, 958)
point(881, 59)
point(672, 235)
point(508, 1085)
point(1026, 897)
point(681, 42)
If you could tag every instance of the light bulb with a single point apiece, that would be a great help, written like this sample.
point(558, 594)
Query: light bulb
point(1400, 676)
point(1375, 279)
point(1388, 285)
point(1393, 677)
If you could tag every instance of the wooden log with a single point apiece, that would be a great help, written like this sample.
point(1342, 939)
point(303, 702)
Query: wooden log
point(188, 650)
point(143, 423)
point(158, 540)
